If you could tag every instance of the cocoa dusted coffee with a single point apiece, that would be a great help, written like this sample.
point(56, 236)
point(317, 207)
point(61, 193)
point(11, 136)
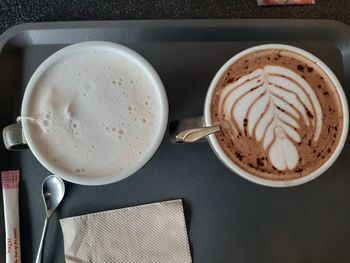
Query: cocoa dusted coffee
point(280, 114)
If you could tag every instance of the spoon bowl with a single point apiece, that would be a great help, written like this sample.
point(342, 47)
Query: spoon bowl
point(53, 190)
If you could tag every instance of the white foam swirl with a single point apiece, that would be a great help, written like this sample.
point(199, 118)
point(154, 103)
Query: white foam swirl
point(267, 105)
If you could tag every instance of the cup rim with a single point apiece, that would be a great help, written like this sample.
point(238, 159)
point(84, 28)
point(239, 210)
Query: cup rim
point(253, 178)
point(122, 51)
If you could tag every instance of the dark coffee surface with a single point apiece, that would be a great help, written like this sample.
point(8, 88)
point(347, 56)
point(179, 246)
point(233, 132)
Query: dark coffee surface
point(299, 143)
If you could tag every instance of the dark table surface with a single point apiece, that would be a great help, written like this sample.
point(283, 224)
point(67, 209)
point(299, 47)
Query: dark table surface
point(14, 12)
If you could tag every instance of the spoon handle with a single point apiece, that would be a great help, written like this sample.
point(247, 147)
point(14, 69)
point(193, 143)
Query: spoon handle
point(40, 249)
point(193, 135)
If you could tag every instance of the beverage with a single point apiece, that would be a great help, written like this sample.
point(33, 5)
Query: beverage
point(95, 112)
point(280, 113)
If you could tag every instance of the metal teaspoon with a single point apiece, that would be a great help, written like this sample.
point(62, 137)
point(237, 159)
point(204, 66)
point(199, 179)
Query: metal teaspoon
point(52, 192)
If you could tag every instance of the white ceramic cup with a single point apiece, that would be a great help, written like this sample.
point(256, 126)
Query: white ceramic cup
point(238, 170)
point(12, 134)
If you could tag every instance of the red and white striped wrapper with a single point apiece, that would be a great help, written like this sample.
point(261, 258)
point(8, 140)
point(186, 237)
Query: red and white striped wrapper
point(10, 179)
point(10, 183)
point(286, 2)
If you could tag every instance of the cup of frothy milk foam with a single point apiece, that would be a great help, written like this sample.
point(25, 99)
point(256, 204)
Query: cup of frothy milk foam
point(274, 114)
point(93, 113)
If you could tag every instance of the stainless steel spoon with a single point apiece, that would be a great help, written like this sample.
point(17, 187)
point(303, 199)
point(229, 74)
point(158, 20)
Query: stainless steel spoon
point(193, 135)
point(52, 191)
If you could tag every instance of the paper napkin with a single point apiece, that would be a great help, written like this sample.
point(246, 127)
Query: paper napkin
point(148, 233)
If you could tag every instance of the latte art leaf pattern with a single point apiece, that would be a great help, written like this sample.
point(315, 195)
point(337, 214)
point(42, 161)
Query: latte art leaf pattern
point(269, 105)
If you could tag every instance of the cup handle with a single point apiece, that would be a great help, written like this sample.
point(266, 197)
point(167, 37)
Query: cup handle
point(190, 130)
point(13, 137)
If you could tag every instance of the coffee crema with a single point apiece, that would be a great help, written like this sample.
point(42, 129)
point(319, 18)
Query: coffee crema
point(280, 114)
point(96, 113)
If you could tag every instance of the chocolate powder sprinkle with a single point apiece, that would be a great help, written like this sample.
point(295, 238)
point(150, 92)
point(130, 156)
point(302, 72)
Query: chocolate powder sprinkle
point(239, 156)
point(309, 114)
point(301, 68)
point(245, 122)
point(259, 162)
point(230, 80)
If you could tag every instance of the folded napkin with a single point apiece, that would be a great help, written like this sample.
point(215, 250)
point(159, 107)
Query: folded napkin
point(148, 233)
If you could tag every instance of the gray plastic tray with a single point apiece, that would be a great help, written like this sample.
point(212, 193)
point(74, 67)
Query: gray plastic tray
point(229, 219)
